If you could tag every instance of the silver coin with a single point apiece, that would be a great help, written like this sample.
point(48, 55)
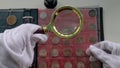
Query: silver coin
point(55, 65)
point(80, 65)
point(42, 53)
point(79, 52)
point(43, 15)
point(55, 40)
point(67, 52)
point(92, 26)
point(68, 65)
point(92, 13)
point(42, 65)
point(54, 53)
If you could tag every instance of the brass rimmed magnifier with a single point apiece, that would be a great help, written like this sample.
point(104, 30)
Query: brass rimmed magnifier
point(52, 25)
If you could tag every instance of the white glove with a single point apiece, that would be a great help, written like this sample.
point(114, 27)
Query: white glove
point(17, 46)
point(107, 52)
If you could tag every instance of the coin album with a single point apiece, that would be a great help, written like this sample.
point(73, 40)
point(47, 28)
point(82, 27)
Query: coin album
point(58, 52)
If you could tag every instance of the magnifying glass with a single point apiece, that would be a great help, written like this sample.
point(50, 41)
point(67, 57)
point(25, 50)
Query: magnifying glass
point(62, 24)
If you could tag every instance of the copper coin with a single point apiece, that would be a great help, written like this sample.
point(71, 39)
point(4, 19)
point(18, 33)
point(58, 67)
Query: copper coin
point(11, 19)
point(80, 65)
point(43, 15)
point(79, 52)
point(92, 13)
point(42, 65)
point(54, 53)
point(92, 27)
point(55, 65)
point(92, 39)
point(55, 40)
point(68, 65)
point(67, 52)
point(42, 53)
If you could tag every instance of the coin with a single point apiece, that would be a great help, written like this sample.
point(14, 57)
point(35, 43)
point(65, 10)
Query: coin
point(55, 65)
point(43, 15)
point(28, 19)
point(92, 39)
point(67, 52)
point(92, 27)
point(66, 41)
point(55, 40)
point(79, 52)
point(11, 19)
point(42, 53)
point(42, 65)
point(54, 53)
point(80, 65)
point(79, 39)
point(92, 13)
point(68, 65)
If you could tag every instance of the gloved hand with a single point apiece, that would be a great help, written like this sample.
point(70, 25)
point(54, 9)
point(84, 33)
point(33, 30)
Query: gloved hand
point(107, 52)
point(17, 46)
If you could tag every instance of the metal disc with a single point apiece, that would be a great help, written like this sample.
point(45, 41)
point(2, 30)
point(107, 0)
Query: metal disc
point(92, 13)
point(54, 53)
point(79, 52)
point(11, 19)
point(55, 65)
point(43, 15)
point(42, 53)
point(67, 52)
point(68, 65)
point(80, 65)
point(79, 39)
point(92, 39)
point(55, 40)
point(42, 65)
point(92, 27)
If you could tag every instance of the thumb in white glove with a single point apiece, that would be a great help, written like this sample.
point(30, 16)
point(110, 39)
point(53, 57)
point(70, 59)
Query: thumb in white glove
point(107, 52)
point(20, 42)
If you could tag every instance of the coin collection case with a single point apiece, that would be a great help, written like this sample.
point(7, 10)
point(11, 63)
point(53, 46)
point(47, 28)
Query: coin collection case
point(10, 18)
point(70, 53)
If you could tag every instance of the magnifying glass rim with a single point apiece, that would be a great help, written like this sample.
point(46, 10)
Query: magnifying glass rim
point(52, 22)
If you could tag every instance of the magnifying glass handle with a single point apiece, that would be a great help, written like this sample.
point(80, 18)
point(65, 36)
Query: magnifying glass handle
point(40, 31)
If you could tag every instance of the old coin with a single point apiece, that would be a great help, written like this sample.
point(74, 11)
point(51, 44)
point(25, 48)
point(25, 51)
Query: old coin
point(54, 53)
point(92, 27)
point(80, 65)
point(79, 52)
point(92, 13)
point(11, 19)
point(79, 40)
point(67, 52)
point(42, 65)
point(55, 65)
point(92, 39)
point(68, 65)
point(43, 15)
point(42, 53)
point(55, 40)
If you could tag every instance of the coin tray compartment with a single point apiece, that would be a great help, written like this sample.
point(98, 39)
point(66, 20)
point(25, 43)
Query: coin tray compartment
point(91, 33)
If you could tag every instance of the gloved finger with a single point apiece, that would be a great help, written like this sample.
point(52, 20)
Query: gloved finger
point(99, 54)
point(106, 45)
point(40, 37)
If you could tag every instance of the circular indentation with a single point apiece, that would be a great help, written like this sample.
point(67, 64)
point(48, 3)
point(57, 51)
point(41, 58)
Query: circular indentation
point(42, 65)
point(42, 53)
point(67, 52)
point(55, 40)
point(43, 15)
point(28, 19)
point(55, 65)
point(68, 65)
point(93, 39)
point(92, 26)
point(80, 65)
point(11, 19)
point(54, 52)
point(92, 13)
point(79, 52)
